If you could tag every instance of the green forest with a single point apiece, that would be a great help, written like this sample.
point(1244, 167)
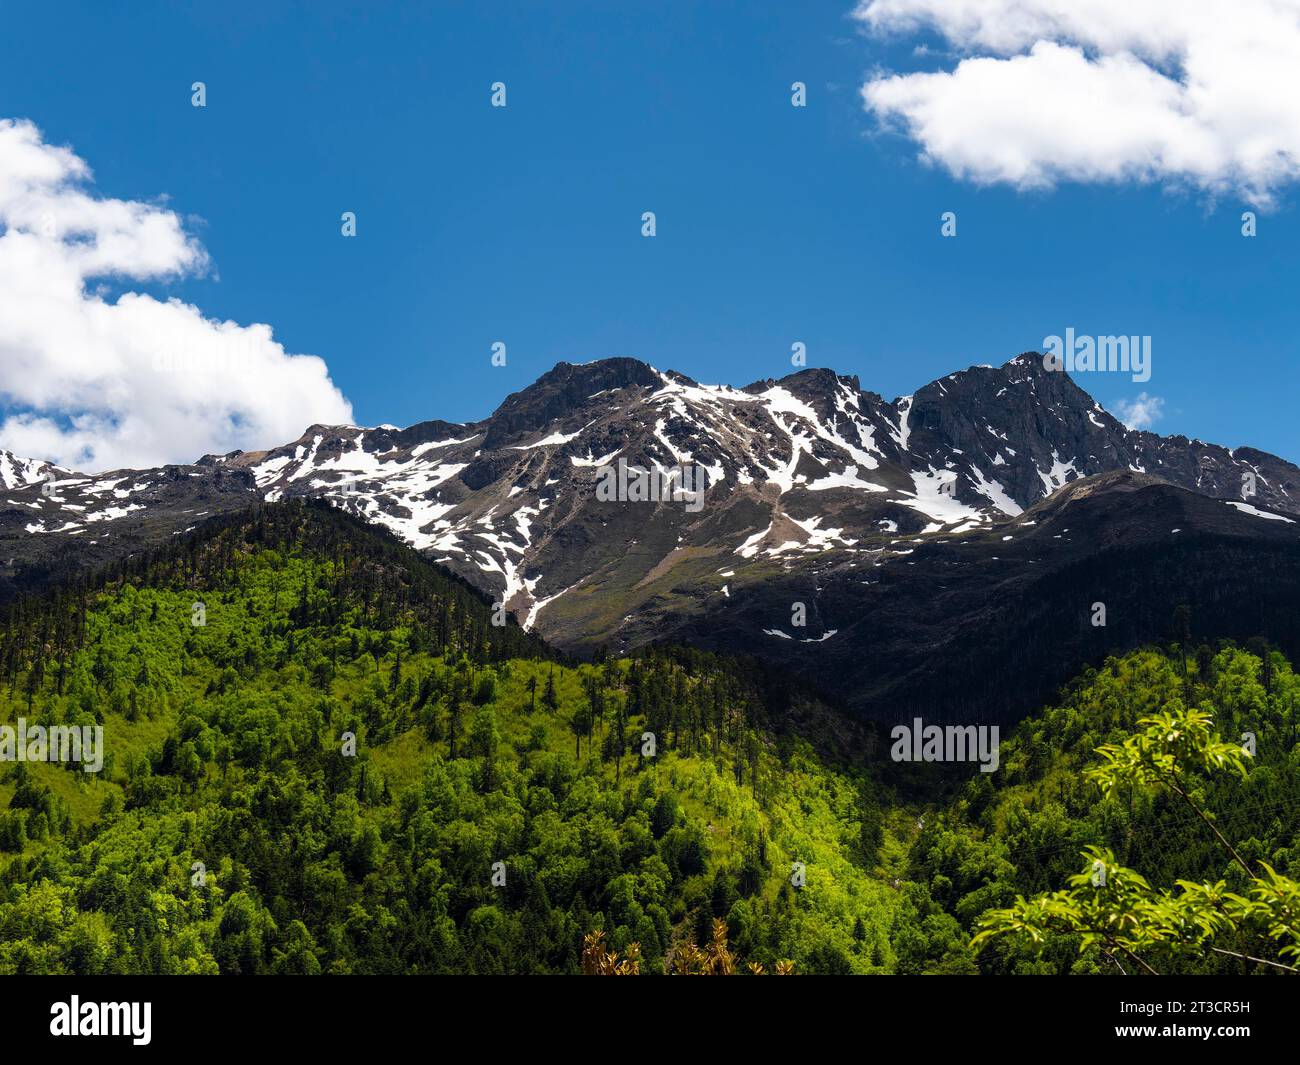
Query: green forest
point(322, 756)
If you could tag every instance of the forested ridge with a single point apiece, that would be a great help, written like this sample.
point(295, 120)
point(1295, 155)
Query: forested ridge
point(474, 745)
point(347, 767)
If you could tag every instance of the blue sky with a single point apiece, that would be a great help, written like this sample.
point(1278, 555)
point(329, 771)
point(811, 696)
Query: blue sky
point(522, 224)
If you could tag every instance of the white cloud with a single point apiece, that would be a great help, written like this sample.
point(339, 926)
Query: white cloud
point(96, 383)
point(1199, 93)
point(1140, 413)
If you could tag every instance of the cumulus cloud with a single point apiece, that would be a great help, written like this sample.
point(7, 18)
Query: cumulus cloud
point(94, 383)
point(1140, 413)
point(1192, 93)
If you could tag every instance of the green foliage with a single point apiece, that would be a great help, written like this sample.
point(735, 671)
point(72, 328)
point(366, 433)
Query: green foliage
point(228, 746)
point(1172, 743)
point(1170, 789)
point(1113, 909)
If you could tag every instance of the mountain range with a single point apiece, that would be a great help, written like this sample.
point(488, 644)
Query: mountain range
point(902, 555)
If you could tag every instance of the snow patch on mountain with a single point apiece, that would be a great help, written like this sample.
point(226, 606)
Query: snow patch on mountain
point(1255, 512)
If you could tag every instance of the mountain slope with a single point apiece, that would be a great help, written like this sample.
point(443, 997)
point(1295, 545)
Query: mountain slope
point(935, 626)
point(494, 807)
point(816, 488)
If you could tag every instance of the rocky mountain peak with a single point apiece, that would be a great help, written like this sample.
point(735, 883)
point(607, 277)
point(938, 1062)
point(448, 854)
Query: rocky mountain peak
point(557, 394)
point(804, 473)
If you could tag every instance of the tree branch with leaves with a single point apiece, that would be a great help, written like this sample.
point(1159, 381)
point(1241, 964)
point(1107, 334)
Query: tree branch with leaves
point(1113, 909)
